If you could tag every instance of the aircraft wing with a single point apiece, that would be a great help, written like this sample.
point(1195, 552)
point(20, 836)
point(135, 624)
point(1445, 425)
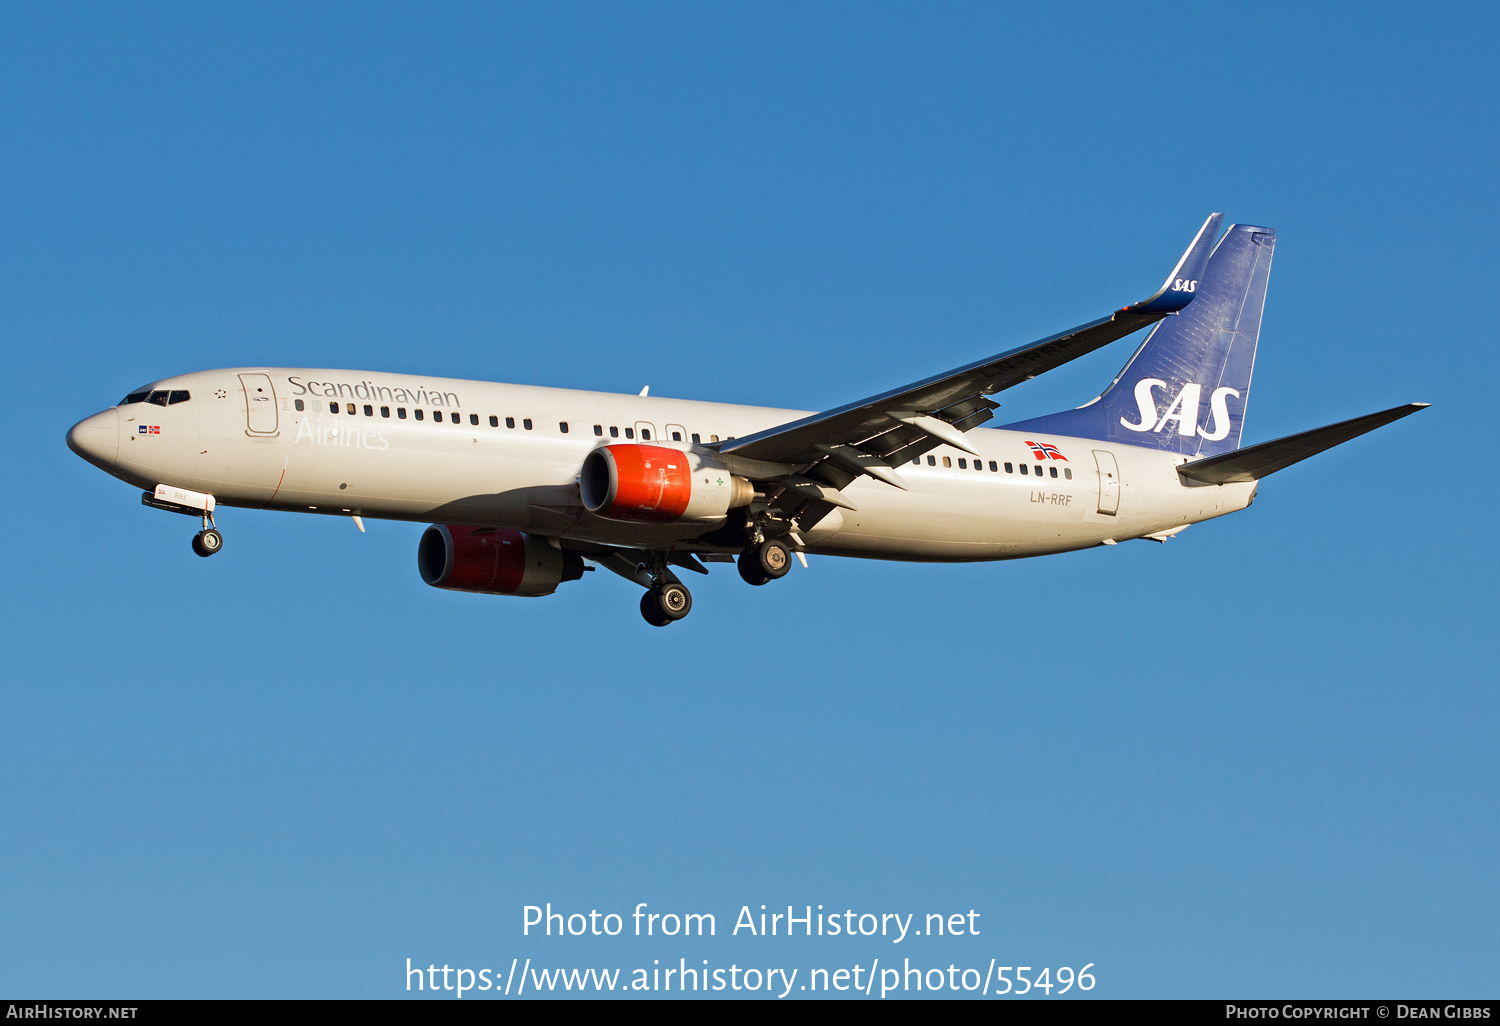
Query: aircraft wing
point(883, 431)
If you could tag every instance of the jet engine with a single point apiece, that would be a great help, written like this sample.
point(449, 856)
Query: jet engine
point(493, 560)
point(651, 484)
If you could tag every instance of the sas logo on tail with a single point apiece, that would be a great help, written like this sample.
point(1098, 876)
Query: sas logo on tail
point(1183, 410)
point(1043, 451)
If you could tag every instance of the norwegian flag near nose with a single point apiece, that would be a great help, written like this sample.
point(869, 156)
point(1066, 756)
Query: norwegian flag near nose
point(1043, 451)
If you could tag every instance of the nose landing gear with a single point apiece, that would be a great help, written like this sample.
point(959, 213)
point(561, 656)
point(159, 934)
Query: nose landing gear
point(193, 504)
point(208, 541)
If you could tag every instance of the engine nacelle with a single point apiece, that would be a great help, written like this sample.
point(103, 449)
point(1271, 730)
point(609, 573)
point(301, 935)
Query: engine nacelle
point(651, 484)
point(494, 561)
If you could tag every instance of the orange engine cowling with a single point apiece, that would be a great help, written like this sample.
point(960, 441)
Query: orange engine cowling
point(652, 484)
point(493, 560)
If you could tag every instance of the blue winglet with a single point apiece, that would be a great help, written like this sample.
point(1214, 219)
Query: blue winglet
point(1180, 286)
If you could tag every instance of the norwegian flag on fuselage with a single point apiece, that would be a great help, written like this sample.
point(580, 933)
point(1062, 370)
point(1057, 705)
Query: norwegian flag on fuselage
point(1043, 451)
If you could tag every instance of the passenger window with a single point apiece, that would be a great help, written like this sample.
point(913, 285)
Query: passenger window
point(614, 432)
point(369, 411)
point(1009, 469)
point(978, 465)
point(917, 462)
point(695, 437)
point(932, 461)
point(494, 421)
point(351, 409)
point(1024, 471)
point(599, 430)
point(157, 398)
point(1039, 470)
point(526, 423)
point(562, 426)
point(646, 434)
point(510, 422)
point(333, 407)
point(993, 468)
point(630, 432)
point(1067, 473)
point(385, 411)
point(1053, 470)
point(401, 413)
point(474, 419)
point(178, 396)
point(947, 462)
point(139, 397)
point(298, 404)
point(417, 414)
point(713, 438)
point(963, 464)
point(676, 436)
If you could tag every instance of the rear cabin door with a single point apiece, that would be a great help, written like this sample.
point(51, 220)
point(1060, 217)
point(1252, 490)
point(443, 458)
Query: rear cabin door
point(260, 404)
point(1109, 482)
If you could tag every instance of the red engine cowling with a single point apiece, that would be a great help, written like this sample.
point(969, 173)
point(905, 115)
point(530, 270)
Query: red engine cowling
point(493, 560)
point(652, 484)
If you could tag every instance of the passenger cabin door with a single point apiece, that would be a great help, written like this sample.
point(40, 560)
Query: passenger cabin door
point(1109, 482)
point(675, 433)
point(260, 404)
point(644, 431)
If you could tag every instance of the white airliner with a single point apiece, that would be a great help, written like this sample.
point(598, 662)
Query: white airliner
point(529, 487)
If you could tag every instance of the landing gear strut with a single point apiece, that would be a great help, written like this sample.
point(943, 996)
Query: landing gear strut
point(208, 541)
point(768, 561)
point(667, 599)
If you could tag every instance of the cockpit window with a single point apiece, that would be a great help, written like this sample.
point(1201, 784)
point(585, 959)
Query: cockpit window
point(136, 397)
point(158, 398)
point(179, 395)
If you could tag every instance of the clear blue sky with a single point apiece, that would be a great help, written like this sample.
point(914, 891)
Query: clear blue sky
point(1258, 760)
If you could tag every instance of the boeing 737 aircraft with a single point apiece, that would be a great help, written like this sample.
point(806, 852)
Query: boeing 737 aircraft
point(527, 488)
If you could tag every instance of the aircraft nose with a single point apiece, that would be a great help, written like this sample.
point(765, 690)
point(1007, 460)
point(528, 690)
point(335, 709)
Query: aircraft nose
point(97, 438)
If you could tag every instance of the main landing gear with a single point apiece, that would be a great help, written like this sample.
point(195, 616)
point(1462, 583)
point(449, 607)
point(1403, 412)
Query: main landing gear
point(667, 599)
point(664, 603)
point(768, 561)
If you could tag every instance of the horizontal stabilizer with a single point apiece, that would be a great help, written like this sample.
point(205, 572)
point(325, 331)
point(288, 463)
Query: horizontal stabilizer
point(1262, 460)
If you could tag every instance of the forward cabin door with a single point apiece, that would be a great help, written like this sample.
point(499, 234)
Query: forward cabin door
point(260, 404)
point(1109, 482)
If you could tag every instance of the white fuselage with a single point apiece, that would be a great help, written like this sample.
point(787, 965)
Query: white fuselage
point(260, 450)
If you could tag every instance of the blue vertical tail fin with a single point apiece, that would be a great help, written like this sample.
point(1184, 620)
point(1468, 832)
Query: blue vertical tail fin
point(1186, 388)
